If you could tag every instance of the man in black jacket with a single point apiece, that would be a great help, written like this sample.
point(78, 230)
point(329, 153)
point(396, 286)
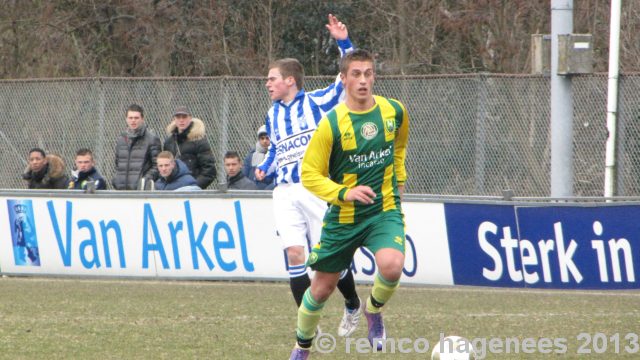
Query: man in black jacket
point(136, 151)
point(187, 141)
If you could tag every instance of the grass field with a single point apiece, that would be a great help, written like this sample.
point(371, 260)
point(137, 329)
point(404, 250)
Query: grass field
point(122, 319)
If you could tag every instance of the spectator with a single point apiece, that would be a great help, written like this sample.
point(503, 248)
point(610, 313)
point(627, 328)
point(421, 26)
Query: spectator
point(174, 174)
point(136, 151)
point(86, 172)
point(187, 141)
point(45, 171)
point(255, 158)
point(235, 178)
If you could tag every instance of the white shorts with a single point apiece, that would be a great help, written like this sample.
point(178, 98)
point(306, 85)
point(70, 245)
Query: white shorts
point(298, 215)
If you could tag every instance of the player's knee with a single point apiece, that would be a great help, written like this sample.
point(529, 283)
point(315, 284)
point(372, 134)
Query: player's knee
point(295, 255)
point(323, 285)
point(390, 267)
point(322, 292)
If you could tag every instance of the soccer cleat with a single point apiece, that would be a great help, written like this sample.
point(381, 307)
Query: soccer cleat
point(377, 334)
point(299, 353)
point(349, 323)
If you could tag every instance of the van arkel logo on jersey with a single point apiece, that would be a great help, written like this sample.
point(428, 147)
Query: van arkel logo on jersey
point(369, 130)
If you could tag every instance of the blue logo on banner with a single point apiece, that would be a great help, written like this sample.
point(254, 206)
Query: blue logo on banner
point(23, 233)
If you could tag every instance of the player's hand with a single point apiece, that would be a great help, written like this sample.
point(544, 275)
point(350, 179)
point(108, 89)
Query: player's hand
point(362, 194)
point(337, 29)
point(260, 174)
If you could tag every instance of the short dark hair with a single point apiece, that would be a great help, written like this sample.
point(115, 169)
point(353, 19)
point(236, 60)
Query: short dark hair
point(135, 107)
point(356, 55)
point(38, 150)
point(232, 155)
point(84, 152)
point(290, 67)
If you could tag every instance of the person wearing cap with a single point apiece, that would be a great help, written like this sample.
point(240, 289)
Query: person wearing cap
point(186, 140)
point(255, 158)
point(136, 151)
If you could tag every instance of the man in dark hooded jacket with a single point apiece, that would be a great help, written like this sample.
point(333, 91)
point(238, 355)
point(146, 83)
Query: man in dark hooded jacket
point(187, 141)
point(45, 171)
point(136, 151)
point(174, 174)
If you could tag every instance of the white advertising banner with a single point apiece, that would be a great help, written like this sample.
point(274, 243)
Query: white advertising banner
point(206, 238)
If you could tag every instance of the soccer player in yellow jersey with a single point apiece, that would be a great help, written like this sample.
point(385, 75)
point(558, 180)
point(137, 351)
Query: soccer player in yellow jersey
point(355, 161)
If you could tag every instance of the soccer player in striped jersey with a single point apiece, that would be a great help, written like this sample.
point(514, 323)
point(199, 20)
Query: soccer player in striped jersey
point(355, 161)
point(298, 214)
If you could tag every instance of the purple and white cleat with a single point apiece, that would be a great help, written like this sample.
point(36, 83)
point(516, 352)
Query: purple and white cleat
point(377, 334)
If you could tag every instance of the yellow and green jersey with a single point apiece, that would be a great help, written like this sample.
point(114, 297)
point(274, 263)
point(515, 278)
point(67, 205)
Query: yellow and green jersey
point(351, 148)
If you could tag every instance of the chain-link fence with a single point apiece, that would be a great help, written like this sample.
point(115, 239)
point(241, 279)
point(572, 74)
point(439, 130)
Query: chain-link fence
point(470, 134)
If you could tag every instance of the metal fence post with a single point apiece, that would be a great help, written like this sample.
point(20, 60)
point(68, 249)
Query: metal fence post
point(481, 136)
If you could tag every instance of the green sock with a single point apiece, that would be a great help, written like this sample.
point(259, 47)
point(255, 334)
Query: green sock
point(380, 293)
point(308, 316)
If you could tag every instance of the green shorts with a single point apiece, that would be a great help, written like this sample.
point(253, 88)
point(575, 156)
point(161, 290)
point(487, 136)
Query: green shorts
point(339, 242)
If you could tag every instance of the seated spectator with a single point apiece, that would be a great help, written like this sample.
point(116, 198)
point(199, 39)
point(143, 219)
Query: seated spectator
point(45, 171)
point(255, 157)
point(174, 174)
point(187, 141)
point(86, 172)
point(235, 178)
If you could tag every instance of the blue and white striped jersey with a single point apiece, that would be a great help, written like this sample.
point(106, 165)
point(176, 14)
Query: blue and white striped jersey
point(290, 126)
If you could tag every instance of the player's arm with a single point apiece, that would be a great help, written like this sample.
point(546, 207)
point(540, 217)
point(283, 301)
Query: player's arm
point(329, 97)
point(339, 31)
point(400, 147)
point(315, 166)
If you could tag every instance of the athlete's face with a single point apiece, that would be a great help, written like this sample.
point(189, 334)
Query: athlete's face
point(232, 166)
point(277, 86)
point(358, 81)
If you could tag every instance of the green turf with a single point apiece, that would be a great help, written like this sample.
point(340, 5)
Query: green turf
point(46, 318)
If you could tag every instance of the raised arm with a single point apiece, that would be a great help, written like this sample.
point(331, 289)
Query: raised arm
point(337, 29)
